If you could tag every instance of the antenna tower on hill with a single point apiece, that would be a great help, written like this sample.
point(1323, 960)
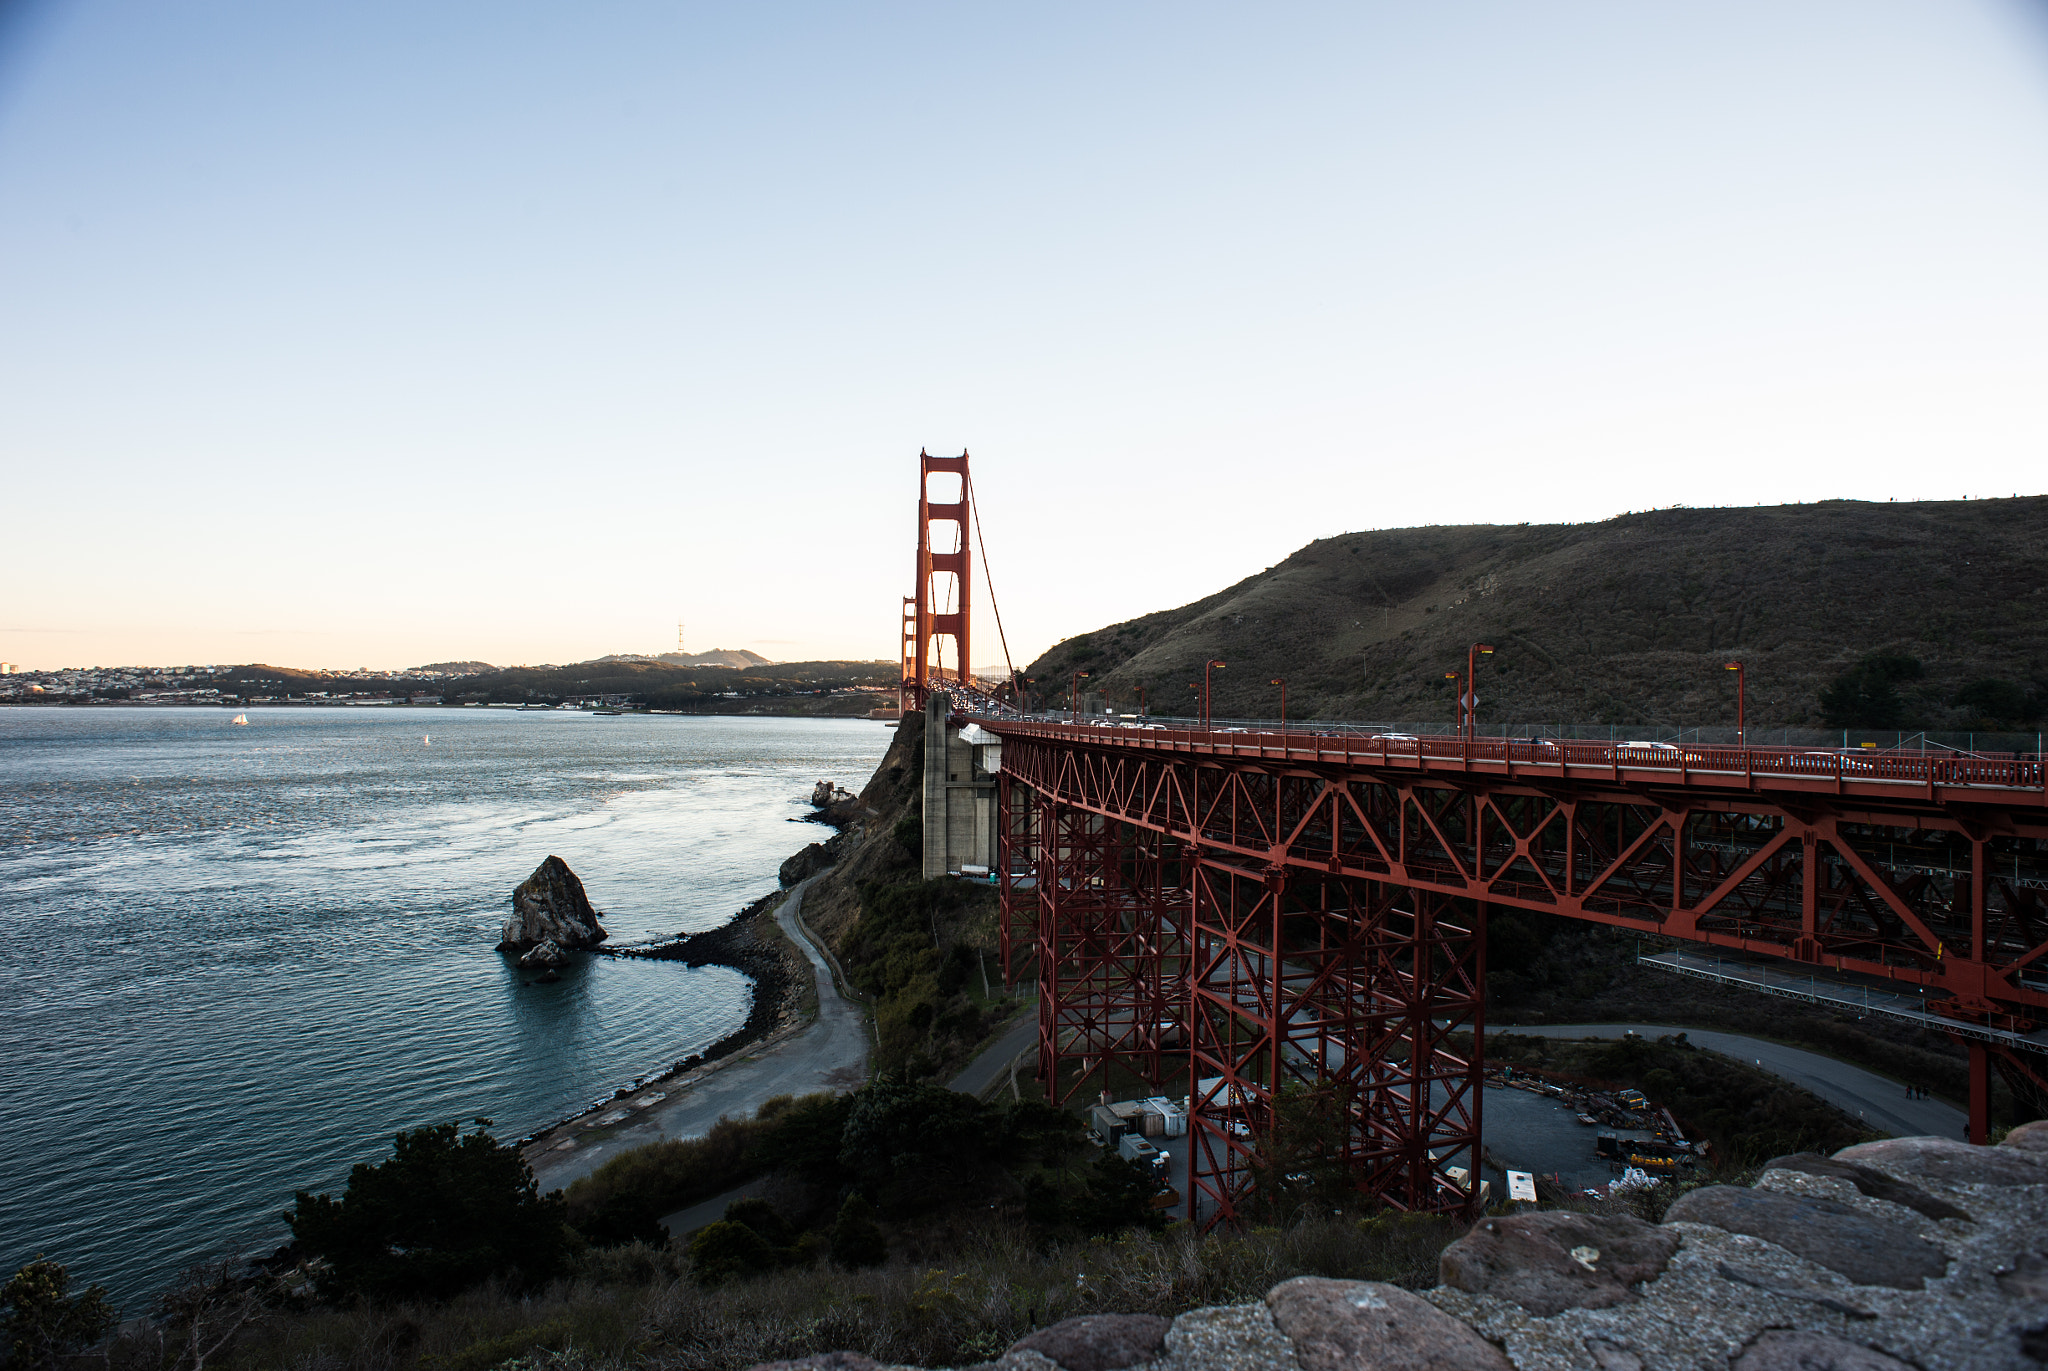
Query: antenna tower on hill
point(679, 637)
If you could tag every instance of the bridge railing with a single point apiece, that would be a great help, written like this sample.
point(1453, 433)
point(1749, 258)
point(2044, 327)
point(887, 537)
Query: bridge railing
point(1320, 742)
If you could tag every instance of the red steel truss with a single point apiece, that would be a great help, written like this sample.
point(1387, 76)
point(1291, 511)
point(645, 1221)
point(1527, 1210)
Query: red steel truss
point(1303, 980)
point(1335, 891)
point(1109, 939)
point(928, 618)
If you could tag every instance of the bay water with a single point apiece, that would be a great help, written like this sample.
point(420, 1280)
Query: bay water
point(234, 960)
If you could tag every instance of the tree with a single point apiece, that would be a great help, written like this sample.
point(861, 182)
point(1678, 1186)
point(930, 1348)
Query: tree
point(856, 1238)
point(446, 1212)
point(1119, 1196)
point(1998, 702)
point(759, 1215)
point(43, 1324)
point(805, 1138)
point(1866, 696)
point(723, 1250)
point(1300, 1160)
point(910, 1142)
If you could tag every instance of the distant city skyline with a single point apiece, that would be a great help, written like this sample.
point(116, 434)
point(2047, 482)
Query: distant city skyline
point(338, 335)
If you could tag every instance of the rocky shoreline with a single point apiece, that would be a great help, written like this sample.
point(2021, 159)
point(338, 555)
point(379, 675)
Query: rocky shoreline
point(777, 973)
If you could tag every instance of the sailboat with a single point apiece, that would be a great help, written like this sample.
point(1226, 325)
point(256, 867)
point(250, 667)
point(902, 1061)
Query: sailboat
point(239, 719)
point(426, 740)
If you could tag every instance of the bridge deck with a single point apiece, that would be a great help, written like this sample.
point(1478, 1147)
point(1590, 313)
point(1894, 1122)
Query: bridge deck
point(1923, 777)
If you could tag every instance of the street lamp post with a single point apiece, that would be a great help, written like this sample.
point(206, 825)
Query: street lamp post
point(1141, 702)
point(1281, 681)
point(1074, 697)
point(1472, 657)
point(1741, 734)
point(1211, 666)
point(1459, 719)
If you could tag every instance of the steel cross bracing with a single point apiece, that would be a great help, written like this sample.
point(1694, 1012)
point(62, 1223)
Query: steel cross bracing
point(1110, 951)
point(1933, 872)
point(1302, 980)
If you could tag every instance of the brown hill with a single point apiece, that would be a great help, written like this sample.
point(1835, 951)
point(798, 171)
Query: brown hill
point(1628, 621)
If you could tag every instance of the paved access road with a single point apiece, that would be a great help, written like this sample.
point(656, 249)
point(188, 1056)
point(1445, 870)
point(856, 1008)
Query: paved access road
point(1878, 1100)
point(830, 1054)
point(995, 1061)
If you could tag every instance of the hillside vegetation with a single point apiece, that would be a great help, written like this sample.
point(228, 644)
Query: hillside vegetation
point(1846, 614)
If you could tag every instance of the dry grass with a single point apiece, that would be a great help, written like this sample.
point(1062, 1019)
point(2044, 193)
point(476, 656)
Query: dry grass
point(1626, 621)
point(637, 1306)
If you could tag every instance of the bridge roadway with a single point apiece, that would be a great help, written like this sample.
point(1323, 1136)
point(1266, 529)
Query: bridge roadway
point(1886, 777)
point(1925, 869)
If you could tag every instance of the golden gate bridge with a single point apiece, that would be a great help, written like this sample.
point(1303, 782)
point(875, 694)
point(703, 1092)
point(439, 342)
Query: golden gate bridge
point(1271, 907)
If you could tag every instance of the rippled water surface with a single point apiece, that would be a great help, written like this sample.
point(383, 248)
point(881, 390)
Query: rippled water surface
point(236, 959)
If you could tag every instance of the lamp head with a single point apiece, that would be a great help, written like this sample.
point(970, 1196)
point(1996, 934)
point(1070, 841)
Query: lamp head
point(1732, 666)
point(1277, 680)
point(1484, 650)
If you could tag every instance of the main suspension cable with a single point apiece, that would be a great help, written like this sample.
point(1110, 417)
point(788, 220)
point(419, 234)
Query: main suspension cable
point(974, 508)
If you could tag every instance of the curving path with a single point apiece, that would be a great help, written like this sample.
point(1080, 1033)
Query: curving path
point(830, 1054)
point(1878, 1100)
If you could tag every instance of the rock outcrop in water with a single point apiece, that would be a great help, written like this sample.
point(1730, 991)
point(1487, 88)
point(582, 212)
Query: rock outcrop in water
point(550, 906)
point(546, 957)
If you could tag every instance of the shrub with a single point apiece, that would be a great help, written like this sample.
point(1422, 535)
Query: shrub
point(1119, 1196)
point(722, 1250)
point(856, 1238)
point(43, 1324)
point(760, 1216)
point(911, 1144)
point(618, 1201)
point(909, 832)
point(446, 1212)
point(1866, 696)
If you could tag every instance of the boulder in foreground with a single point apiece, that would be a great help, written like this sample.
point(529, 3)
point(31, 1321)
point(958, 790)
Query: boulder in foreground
point(550, 906)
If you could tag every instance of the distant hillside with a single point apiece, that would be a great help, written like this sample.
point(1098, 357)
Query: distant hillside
point(718, 656)
point(714, 688)
point(1845, 613)
point(457, 668)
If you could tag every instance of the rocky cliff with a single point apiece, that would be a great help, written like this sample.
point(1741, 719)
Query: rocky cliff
point(550, 907)
point(1888, 1256)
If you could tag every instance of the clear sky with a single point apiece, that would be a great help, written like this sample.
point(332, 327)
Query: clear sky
point(378, 333)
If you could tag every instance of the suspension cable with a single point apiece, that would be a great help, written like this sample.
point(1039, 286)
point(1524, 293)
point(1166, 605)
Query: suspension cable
point(974, 508)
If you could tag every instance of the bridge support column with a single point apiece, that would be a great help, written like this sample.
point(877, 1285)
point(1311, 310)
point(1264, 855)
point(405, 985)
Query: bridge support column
point(1110, 953)
point(1333, 1006)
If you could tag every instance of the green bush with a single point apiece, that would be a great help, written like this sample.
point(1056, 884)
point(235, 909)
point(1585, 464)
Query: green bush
point(723, 1250)
point(617, 1202)
point(911, 1145)
point(447, 1211)
point(856, 1238)
point(759, 1215)
point(909, 832)
point(43, 1324)
point(1866, 696)
point(1119, 1196)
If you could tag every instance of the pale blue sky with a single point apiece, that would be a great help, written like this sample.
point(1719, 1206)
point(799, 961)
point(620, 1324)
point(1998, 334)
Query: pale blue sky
point(374, 333)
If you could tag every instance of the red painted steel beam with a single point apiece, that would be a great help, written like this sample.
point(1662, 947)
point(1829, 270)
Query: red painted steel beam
point(1846, 885)
point(928, 620)
point(1934, 879)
